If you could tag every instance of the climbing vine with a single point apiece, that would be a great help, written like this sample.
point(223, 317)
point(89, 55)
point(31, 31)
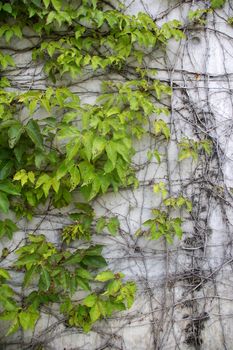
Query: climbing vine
point(55, 148)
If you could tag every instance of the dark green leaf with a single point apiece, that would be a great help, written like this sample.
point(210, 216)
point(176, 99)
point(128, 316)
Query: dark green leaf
point(94, 261)
point(34, 133)
point(28, 259)
point(8, 187)
point(73, 259)
point(14, 133)
point(4, 203)
point(45, 281)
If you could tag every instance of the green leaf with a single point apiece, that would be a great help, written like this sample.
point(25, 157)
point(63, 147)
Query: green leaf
point(178, 229)
point(4, 274)
point(7, 228)
point(184, 154)
point(51, 17)
point(7, 7)
point(8, 187)
point(29, 275)
point(83, 283)
point(14, 326)
point(72, 148)
point(113, 287)
point(56, 4)
point(94, 261)
point(101, 223)
point(46, 3)
point(83, 273)
point(74, 259)
point(95, 312)
point(33, 132)
point(113, 226)
point(217, 3)
point(21, 176)
point(14, 133)
point(17, 31)
point(94, 250)
point(28, 259)
point(90, 300)
point(5, 169)
point(161, 127)
point(4, 203)
point(28, 318)
point(74, 177)
point(8, 35)
point(105, 276)
point(88, 144)
point(45, 281)
point(99, 144)
point(111, 153)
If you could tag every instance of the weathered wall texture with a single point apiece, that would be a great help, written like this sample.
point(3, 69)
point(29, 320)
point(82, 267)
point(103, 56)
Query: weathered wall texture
point(184, 299)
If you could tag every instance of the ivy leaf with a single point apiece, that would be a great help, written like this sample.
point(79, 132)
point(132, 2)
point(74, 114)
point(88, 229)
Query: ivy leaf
point(113, 226)
point(184, 154)
point(90, 300)
point(8, 35)
point(7, 228)
point(14, 133)
point(45, 281)
point(113, 287)
point(28, 318)
point(84, 274)
point(94, 261)
point(4, 274)
point(177, 228)
point(28, 259)
point(46, 3)
point(56, 4)
point(161, 127)
point(51, 17)
point(111, 153)
point(74, 259)
point(4, 203)
point(72, 148)
point(127, 294)
point(34, 133)
point(99, 144)
point(17, 31)
point(6, 169)
point(105, 276)
point(7, 7)
point(74, 177)
point(14, 326)
point(217, 3)
point(101, 223)
point(8, 187)
point(94, 250)
point(83, 283)
point(28, 275)
point(21, 176)
point(88, 144)
point(95, 312)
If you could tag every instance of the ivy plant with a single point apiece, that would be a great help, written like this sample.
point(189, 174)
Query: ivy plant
point(78, 150)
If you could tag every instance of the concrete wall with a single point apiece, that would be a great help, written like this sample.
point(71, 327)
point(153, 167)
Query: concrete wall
point(184, 298)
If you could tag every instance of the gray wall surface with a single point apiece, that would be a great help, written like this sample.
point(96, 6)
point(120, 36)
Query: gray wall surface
point(184, 290)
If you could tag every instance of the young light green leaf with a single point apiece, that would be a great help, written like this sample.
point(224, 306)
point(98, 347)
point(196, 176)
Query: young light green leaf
point(90, 300)
point(105, 276)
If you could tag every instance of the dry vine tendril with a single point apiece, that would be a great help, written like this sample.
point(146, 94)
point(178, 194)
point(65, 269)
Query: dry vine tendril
point(52, 158)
